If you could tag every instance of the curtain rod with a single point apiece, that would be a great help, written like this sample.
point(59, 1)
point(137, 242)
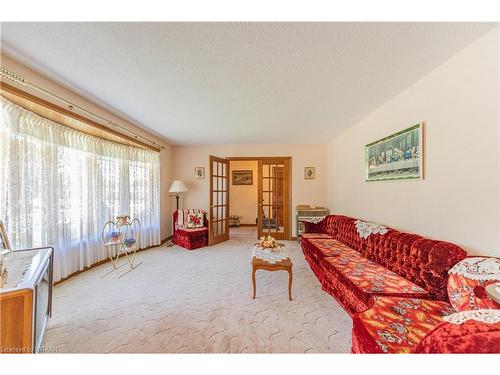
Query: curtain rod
point(20, 80)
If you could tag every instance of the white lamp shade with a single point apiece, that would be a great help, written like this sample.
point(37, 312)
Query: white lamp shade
point(178, 187)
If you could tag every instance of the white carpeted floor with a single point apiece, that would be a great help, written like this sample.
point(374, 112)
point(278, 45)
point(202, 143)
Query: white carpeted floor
point(197, 301)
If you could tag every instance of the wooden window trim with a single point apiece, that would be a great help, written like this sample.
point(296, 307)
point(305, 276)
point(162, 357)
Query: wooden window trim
point(20, 97)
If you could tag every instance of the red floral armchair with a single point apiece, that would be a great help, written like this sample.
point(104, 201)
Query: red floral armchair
point(189, 238)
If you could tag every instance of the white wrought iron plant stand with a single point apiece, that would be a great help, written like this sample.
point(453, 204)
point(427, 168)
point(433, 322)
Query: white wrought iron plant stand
point(115, 248)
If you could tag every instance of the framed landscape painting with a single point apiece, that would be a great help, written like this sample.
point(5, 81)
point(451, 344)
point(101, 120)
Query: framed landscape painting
point(244, 177)
point(396, 157)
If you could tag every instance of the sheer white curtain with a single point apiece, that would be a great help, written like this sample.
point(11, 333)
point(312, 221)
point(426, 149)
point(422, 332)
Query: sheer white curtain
point(59, 186)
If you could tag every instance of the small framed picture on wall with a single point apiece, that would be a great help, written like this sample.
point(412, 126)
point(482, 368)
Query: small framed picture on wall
point(199, 172)
point(309, 173)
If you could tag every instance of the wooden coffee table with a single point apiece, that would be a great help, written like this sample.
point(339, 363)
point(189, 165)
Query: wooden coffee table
point(282, 265)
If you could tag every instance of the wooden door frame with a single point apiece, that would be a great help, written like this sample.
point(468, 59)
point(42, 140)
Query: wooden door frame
point(288, 219)
point(217, 159)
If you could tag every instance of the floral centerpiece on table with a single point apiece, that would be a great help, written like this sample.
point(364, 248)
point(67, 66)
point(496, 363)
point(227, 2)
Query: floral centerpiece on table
point(268, 243)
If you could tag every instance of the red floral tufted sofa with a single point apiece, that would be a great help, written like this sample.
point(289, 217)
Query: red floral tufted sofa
point(393, 285)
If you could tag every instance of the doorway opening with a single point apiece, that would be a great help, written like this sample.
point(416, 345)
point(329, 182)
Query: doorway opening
point(249, 197)
point(243, 191)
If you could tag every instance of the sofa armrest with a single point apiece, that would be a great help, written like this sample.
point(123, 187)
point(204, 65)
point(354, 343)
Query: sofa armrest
point(469, 337)
point(314, 228)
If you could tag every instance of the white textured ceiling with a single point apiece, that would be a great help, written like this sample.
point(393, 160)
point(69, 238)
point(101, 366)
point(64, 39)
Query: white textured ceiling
point(210, 83)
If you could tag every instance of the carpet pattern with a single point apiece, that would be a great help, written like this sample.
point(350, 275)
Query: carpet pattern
point(197, 301)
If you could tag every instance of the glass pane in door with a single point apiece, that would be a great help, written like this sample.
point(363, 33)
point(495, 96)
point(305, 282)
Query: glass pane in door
point(273, 198)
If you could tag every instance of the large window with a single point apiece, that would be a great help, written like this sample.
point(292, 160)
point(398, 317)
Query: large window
point(59, 186)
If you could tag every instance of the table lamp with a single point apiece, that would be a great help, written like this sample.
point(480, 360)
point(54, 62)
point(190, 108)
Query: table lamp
point(178, 187)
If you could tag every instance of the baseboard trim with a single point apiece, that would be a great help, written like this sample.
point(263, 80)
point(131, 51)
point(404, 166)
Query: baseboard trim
point(249, 225)
point(169, 238)
point(96, 264)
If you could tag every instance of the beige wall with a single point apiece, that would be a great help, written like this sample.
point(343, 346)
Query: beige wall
point(458, 200)
point(243, 198)
point(165, 155)
point(303, 191)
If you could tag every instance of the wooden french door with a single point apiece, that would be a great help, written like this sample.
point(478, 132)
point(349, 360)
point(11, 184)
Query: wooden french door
point(273, 198)
point(218, 216)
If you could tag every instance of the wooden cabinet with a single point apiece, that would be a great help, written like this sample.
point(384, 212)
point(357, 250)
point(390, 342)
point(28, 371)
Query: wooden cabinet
point(25, 300)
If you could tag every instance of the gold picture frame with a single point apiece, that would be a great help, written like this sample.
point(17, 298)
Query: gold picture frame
point(399, 156)
point(242, 177)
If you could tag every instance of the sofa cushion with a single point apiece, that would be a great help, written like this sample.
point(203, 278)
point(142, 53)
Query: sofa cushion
point(192, 231)
point(315, 235)
point(348, 234)
point(396, 325)
point(180, 217)
point(434, 259)
point(328, 225)
point(423, 261)
point(195, 220)
point(469, 337)
point(340, 227)
point(468, 280)
point(371, 278)
point(328, 247)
